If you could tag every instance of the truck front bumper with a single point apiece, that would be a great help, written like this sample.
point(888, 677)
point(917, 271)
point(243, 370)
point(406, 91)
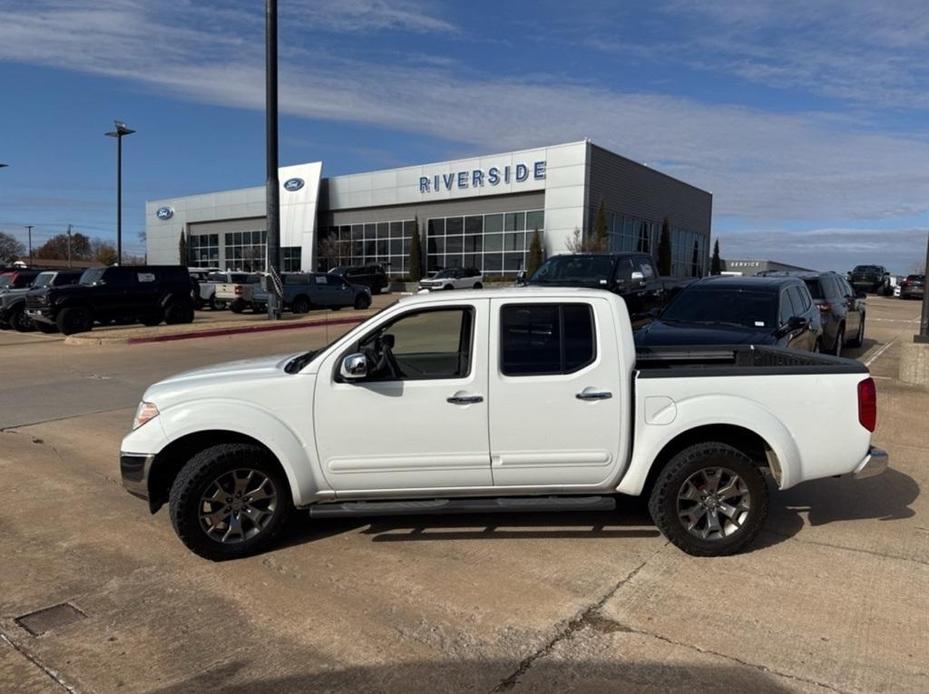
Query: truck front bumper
point(873, 464)
point(42, 315)
point(134, 469)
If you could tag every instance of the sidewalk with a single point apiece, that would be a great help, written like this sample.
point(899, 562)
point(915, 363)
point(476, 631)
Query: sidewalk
point(220, 323)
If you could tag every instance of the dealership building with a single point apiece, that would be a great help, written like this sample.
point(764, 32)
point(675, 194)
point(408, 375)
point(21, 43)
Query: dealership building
point(478, 212)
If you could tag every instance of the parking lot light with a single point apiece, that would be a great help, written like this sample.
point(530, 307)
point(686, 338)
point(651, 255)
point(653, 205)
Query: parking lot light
point(120, 131)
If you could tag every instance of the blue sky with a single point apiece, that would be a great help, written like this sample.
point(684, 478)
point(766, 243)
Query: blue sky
point(807, 121)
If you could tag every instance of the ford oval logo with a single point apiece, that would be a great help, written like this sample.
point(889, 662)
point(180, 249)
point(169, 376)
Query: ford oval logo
point(293, 184)
point(164, 213)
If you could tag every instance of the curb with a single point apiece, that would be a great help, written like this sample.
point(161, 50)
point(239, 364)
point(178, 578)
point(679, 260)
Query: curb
point(210, 332)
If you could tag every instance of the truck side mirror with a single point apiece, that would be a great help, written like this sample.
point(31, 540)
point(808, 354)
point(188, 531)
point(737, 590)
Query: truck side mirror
point(636, 278)
point(354, 367)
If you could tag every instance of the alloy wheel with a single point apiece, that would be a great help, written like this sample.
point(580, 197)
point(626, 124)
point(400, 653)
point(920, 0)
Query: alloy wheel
point(713, 503)
point(237, 505)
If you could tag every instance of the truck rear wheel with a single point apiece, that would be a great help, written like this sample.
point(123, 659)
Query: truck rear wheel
point(229, 501)
point(76, 319)
point(179, 312)
point(710, 500)
point(300, 305)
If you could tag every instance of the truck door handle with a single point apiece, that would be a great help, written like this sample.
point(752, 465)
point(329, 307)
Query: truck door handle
point(463, 399)
point(591, 394)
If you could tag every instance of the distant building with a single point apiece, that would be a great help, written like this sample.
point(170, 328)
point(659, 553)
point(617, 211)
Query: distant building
point(750, 267)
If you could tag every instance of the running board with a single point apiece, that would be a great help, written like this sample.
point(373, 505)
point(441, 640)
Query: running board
point(447, 506)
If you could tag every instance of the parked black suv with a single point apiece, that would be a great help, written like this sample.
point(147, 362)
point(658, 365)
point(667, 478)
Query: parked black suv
point(13, 301)
point(870, 278)
point(147, 294)
point(631, 275)
point(372, 276)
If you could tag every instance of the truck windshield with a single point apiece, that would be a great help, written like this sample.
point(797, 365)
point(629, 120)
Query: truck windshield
point(43, 279)
point(574, 268)
point(866, 268)
point(740, 307)
point(92, 276)
point(6, 280)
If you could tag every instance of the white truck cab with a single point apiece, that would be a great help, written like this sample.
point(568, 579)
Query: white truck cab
point(525, 399)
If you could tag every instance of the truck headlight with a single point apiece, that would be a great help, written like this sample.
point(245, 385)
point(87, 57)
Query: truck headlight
point(145, 412)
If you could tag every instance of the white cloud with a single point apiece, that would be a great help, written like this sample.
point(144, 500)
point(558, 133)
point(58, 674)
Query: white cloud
point(761, 166)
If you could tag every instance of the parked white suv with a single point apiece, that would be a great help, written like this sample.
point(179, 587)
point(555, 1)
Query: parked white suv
point(530, 399)
point(454, 278)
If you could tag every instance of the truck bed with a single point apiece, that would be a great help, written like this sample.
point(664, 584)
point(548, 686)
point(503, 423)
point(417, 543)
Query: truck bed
point(737, 360)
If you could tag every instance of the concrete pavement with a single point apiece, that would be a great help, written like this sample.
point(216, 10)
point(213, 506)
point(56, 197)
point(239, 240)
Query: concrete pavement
point(833, 597)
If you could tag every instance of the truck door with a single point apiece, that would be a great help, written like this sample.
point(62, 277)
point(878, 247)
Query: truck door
point(555, 393)
point(421, 423)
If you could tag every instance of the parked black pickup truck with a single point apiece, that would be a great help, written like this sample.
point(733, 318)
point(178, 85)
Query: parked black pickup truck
point(870, 278)
point(147, 294)
point(631, 275)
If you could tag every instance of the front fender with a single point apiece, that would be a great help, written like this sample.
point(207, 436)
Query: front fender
point(255, 422)
point(709, 410)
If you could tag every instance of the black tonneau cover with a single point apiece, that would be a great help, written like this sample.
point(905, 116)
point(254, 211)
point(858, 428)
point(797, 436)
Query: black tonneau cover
point(737, 360)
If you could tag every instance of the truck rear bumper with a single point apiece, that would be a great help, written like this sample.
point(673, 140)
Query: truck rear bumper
point(873, 464)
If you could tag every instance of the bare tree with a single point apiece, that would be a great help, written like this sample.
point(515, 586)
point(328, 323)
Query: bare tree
point(584, 243)
point(10, 248)
point(329, 250)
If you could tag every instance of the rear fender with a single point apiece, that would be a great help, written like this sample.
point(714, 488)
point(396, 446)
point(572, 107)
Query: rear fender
point(709, 410)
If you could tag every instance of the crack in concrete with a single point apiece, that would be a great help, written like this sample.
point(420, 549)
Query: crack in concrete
point(732, 658)
point(54, 675)
point(858, 550)
point(13, 427)
point(588, 617)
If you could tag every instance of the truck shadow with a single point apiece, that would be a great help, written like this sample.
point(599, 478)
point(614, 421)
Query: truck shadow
point(631, 520)
point(886, 497)
point(588, 673)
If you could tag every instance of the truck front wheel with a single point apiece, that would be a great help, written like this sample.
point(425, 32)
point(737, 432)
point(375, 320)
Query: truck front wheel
point(710, 500)
point(230, 501)
point(76, 319)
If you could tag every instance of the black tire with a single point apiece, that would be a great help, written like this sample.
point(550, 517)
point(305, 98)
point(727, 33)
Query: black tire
point(301, 304)
point(448, 287)
point(19, 321)
point(46, 328)
point(200, 474)
point(478, 285)
point(217, 305)
point(858, 340)
point(76, 319)
point(152, 319)
point(839, 341)
point(238, 306)
point(665, 502)
point(178, 312)
point(362, 301)
point(199, 303)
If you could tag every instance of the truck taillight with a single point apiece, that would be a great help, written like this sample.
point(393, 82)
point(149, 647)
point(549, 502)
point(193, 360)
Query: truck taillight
point(825, 307)
point(238, 290)
point(867, 404)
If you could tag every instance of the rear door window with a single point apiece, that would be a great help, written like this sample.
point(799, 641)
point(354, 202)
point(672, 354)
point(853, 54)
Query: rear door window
point(546, 339)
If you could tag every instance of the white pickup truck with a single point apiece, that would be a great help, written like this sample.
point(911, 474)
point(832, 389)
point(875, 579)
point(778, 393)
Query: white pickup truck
point(529, 399)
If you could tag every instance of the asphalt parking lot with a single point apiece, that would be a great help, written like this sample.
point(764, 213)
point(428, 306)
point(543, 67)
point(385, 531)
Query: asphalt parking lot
point(833, 597)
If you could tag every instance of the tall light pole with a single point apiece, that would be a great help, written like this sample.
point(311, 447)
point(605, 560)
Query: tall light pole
point(923, 335)
point(29, 232)
point(272, 187)
point(119, 133)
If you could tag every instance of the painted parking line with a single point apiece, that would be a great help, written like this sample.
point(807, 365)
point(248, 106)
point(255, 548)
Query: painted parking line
point(871, 359)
